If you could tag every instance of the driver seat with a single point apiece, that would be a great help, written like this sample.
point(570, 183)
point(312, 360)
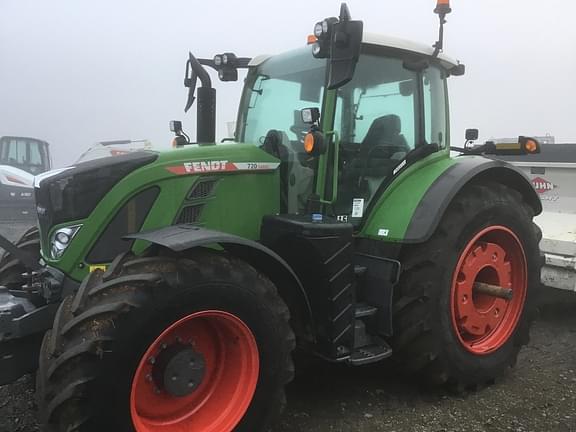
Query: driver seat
point(384, 131)
point(380, 151)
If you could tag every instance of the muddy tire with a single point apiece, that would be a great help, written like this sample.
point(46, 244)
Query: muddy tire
point(11, 268)
point(164, 344)
point(445, 329)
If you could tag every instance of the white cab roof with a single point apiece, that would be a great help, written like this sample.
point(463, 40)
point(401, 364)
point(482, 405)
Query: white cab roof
point(390, 42)
point(406, 45)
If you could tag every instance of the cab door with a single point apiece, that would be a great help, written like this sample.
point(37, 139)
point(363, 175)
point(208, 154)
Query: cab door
point(387, 114)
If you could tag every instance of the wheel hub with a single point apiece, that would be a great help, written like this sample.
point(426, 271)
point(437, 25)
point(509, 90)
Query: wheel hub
point(179, 370)
point(199, 374)
point(488, 290)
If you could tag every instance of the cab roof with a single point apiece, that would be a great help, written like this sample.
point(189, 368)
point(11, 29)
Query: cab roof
point(407, 45)
point(388, 42)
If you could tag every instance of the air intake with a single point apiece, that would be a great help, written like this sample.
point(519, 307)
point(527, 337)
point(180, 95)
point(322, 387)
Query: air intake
point(190, 214)
point(202, 189)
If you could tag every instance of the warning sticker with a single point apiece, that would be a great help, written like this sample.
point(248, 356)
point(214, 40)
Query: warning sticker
point(93, 268)
point(357, 207)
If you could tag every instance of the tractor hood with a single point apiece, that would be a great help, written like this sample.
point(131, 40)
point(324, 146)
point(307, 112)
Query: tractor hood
point(72, 193)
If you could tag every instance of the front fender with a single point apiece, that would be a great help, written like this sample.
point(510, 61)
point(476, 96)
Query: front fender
point(180, 238)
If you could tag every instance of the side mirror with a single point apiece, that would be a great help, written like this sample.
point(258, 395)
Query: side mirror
point(310, 115)
point(471, 134)
point(340, 41)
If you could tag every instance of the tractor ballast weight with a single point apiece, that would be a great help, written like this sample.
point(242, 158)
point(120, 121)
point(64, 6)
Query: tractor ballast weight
point(174, 286)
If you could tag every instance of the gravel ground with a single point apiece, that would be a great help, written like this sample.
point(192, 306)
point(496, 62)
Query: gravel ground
point(538, 395)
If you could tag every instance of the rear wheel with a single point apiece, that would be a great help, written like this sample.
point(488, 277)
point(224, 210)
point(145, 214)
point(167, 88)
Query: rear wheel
point(166, 344)
point(466, 298)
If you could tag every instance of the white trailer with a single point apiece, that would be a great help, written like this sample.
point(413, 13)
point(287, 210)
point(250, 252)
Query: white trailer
point(553, 175)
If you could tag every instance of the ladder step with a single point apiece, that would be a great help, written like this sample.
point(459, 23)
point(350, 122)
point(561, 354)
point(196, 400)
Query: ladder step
point(364, 310)
point(370, 354)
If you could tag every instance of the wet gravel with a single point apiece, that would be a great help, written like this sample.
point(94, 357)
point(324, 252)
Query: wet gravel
point(538, 395)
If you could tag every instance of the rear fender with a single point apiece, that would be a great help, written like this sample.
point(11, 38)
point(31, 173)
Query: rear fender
point(466, 170)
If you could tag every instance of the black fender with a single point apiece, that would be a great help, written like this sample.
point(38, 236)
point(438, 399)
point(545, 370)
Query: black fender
point(180, 238)
point(467, 169)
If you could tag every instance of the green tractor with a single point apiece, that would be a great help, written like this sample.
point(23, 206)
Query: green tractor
point(173, 287)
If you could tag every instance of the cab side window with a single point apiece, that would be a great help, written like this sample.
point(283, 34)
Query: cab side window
point(435, 116)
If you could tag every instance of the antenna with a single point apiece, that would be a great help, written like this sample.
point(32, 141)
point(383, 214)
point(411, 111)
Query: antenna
point(442, 9)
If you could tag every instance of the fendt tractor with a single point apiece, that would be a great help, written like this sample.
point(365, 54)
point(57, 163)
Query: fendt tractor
point(171, 289)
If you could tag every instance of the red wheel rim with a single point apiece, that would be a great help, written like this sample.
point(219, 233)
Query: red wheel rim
point(221, 398)
point(484, 323)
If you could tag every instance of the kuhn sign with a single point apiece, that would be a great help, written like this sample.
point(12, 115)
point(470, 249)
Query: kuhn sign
point(542, 185)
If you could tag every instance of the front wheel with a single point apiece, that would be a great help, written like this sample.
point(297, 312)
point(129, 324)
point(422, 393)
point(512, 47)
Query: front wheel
point(165, 344)
point(466, 298)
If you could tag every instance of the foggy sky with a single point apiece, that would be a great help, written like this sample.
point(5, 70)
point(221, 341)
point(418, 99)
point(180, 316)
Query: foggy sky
point(75, 72)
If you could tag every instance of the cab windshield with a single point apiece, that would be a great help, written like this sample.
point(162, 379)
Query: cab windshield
point(386, 111)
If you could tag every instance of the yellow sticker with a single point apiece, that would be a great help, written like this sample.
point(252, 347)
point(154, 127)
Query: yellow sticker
point(98, 267)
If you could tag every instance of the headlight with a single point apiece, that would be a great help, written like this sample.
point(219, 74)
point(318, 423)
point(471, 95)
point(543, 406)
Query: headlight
point(61, 239)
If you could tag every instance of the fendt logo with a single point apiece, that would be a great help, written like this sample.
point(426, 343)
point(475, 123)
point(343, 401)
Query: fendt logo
point(542, 185)
point(220, 166)
point(205, 166)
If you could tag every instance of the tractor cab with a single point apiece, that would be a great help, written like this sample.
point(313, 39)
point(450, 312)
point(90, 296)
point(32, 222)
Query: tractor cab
point(344, 115)
point(388, 113)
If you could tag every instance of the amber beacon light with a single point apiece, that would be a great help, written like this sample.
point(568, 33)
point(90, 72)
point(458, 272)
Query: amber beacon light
point(443, 7)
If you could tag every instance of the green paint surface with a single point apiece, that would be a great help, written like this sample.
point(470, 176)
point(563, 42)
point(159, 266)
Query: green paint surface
point(393, 210)
point(243, 198)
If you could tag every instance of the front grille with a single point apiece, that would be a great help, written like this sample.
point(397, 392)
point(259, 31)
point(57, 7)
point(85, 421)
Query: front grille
point(190, 214)
point(202, 189)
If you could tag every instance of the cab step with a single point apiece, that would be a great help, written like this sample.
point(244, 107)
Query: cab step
point(370, 354)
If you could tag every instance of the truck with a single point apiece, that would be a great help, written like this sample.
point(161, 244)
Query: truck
point(552, 173)
point(21, 158)
point(167, 290)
